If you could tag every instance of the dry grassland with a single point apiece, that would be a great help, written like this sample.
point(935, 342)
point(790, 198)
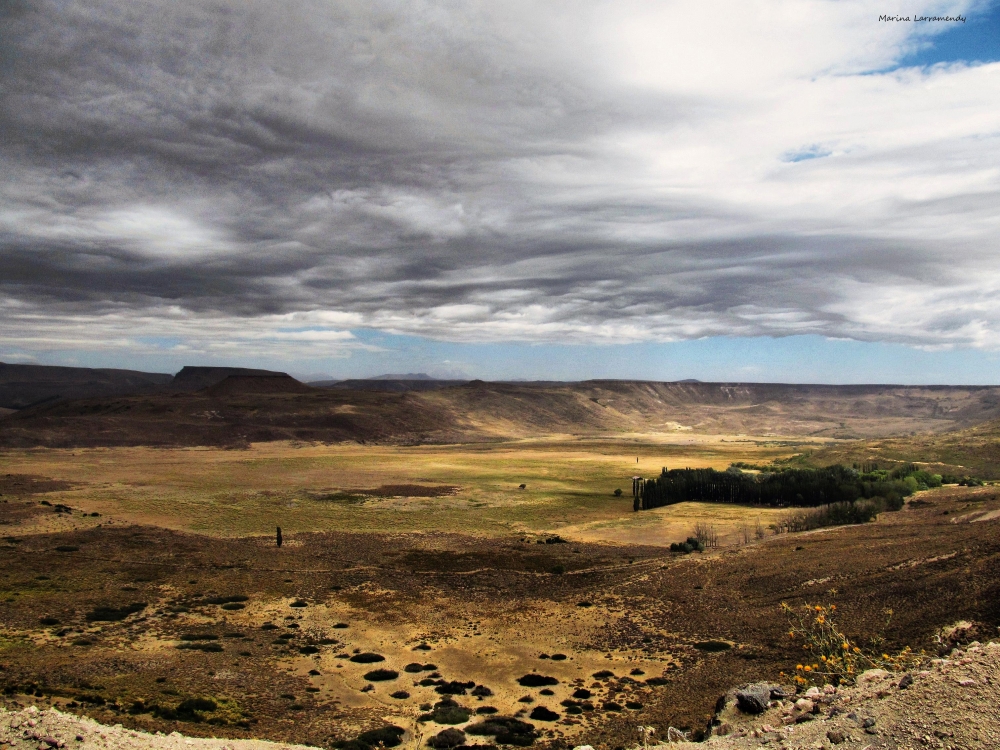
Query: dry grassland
point(569, 487)
point(434, 559)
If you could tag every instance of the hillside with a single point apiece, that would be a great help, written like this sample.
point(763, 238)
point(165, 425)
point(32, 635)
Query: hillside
point(235, 407)
point(974, 451)
point(24, 385)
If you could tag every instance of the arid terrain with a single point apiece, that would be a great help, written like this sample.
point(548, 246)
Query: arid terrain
point(434, 586)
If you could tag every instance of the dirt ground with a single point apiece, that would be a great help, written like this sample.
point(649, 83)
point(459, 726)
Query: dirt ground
point(140, 625)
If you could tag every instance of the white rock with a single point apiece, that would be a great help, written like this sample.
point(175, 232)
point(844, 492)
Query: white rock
point(812, 692)
point(804, 704)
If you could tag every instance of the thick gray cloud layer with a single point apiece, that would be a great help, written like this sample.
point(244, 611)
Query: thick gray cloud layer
point(488, 171)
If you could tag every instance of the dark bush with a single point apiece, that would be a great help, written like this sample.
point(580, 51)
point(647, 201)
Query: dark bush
point(451, 715)
point(299, 603)
point(506, 731)
point(541, 713)
point(114, 614)
point(381, 675)
point(481, 691)
point(67, 548)
point(199, 637)
point(208, 647)
point(233, 606)
point(390, 736)
point(453, 688)
point(367, 658)
point(413, 668)
point(307, 650)
point(582, 693)
point(49, 621)
point(536, 680)
point(447, 738)
point(235, 599)
point(400, 695)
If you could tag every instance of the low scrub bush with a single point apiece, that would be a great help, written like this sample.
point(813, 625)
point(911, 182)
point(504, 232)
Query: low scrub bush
point(691, 544)
point(835, 658)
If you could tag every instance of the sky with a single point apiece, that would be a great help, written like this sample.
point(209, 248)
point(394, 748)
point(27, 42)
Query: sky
point(757, 190)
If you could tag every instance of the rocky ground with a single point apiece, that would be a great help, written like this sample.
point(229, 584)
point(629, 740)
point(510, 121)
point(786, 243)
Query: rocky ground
point(952, 704)
point(52, 729)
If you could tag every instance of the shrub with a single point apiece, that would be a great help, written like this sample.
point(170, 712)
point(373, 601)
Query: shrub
point(114, 614)
point(835, 657)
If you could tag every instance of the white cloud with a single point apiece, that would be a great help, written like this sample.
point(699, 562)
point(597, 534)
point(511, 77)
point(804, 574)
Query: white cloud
point(592, 172)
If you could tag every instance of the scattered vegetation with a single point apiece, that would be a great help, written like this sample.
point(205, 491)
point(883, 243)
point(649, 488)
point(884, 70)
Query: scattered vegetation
point(835, 658)
point(691, 544)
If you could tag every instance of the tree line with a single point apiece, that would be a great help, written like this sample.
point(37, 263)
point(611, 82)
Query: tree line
point(787, 487)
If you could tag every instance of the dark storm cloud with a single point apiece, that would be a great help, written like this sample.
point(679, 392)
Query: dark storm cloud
point(451, 169)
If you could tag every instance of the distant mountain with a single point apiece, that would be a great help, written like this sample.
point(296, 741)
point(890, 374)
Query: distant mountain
point(407, 376)
point(383, 383)
point(24, 385)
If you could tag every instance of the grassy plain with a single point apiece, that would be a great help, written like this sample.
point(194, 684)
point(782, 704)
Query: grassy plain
point(432, 558)
point(349, 487)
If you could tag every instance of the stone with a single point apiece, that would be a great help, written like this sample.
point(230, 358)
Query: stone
point(835, 736)
point(906, 681)
point(754, 698)
point(805, 705)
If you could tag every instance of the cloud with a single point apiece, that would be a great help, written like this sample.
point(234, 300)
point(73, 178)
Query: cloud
point(206, 172)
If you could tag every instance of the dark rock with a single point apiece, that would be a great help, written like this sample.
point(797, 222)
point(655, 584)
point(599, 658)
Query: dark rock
point(836, 737)
point(753, 698)
point(906, 681)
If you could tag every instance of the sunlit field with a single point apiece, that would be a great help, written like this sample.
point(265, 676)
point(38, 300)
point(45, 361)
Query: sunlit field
point(568, 487)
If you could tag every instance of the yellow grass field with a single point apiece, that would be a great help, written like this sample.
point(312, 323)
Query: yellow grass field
point(569, 487)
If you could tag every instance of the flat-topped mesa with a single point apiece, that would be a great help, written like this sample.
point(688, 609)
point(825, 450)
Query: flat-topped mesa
point(191, 379)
